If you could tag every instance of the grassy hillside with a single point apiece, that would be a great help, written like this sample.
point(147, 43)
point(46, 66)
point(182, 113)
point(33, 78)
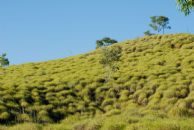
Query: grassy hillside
point(155, 83)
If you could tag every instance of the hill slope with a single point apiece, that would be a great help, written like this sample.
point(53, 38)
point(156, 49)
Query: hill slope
point(156, 76)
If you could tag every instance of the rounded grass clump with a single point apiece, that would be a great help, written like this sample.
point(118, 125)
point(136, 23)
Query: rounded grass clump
point(155, 73)
point(112, 124)
point(94, 124)
point(124, 95)
point(179, 112)
point(113, 112)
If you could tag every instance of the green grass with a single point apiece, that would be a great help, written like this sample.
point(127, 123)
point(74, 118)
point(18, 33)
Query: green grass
point(153, 89)
point(115, 122)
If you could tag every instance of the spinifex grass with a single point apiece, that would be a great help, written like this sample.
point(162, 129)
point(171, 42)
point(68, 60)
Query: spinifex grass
point(156, 73)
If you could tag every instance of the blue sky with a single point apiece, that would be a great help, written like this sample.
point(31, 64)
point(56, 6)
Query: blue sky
point(41, 30)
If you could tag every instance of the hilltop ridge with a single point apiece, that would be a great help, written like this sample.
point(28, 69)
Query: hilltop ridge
point(156, 76)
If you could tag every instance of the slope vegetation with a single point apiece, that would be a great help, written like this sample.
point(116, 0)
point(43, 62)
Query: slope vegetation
point(156, 77)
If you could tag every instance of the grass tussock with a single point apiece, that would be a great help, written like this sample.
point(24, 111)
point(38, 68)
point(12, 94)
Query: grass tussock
point(155, 73)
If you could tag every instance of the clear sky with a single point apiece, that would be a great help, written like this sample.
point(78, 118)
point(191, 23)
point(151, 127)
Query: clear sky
point(40, 30)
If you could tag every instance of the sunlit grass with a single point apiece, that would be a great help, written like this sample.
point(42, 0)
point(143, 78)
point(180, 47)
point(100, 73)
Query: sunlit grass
point(156, 74)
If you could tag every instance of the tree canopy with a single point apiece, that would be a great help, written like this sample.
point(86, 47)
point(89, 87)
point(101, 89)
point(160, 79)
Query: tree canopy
point(186, 6)
point(159, 23)
point(3, 60)
point(111, 55)
point(105, 42)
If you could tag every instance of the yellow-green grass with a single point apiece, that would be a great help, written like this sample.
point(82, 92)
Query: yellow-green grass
point(156, 76)
point(114, 122)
